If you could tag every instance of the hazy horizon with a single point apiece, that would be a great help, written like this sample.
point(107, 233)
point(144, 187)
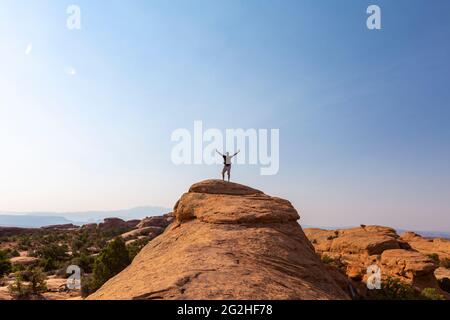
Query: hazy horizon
point(86, 116)
point(71, 215)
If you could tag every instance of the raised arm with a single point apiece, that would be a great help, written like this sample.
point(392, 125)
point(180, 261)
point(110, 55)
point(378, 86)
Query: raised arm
point(219, 152)
point(234, 155)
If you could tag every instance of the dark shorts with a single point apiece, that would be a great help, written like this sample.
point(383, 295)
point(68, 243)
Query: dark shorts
point(226, 169)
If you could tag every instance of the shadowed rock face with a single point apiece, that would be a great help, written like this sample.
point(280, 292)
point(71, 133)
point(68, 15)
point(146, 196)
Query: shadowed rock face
point(228, 241)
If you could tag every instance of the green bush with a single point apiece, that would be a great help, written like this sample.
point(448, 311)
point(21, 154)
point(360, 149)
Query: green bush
point(111, 260)
point(5, 264)
point(17, 268)
point(335, 262)
point(135, 247)
point(394, 289)
point(88, 286)
point(52, 256)
point(445, 263)
point(431, 294)
point(35, 286)
point(11, 253)
point(434, 257)
point(24, 243)
point(18, 289)
point(14, 253)
point(327, 259)
point(84, 261)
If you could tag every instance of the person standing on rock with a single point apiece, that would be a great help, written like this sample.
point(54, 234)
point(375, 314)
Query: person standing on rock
point(227, 163)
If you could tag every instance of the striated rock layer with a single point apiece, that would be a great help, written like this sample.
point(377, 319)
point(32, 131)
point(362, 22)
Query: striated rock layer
point(228, 241)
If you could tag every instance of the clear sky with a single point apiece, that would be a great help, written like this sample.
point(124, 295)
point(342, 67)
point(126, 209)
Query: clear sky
point(86, 116)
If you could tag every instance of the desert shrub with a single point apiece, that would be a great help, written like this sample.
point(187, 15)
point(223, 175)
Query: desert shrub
point(111, 260)
point(335, 262)
point(35, 285)
point(434, 257)
point(327, 259)
point(51, 256)
point(84, 261)
point(135, 247)
point(78, 243)
point(394, 289)
point(445, 263)
point(5, 264)
point(37, 282)
point(18, 289)
point(48, 264)
point(24, 243)
point(3, 282)
point(431, 294)
point(18, 267)
point(444, 284)
point(11, 253)
point(88, 286)
point(14, 253)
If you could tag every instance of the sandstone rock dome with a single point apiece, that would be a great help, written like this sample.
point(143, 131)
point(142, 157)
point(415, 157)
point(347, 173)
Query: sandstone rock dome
point(227, 241)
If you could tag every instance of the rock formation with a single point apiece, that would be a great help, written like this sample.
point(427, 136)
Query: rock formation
point(24, 261)
point(158, 221)
point(355, 249)
point(228, 241)
point(68, 226)
point(148, 228)
point(114, 224)
point(438, 246)
point(15, 231)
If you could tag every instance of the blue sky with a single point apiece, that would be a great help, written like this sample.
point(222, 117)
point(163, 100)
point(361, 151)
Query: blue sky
point(363, 115)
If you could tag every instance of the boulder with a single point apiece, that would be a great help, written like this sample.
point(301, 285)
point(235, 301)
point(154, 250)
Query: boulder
point(24, 261)
point(438, 246)
point(409, 266)
point(132, 223)
point(4, 294)
point(89, 227)
point(149, 232)
point(442, 273)
point(229, 241)
point(160, 221)
point(222, 188)
point(112, 224)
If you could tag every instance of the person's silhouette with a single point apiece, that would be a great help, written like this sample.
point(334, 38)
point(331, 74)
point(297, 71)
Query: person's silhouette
point(227, 163)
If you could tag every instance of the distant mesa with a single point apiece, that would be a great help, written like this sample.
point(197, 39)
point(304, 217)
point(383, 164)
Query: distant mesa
point(43, 219)
point(67, 226)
